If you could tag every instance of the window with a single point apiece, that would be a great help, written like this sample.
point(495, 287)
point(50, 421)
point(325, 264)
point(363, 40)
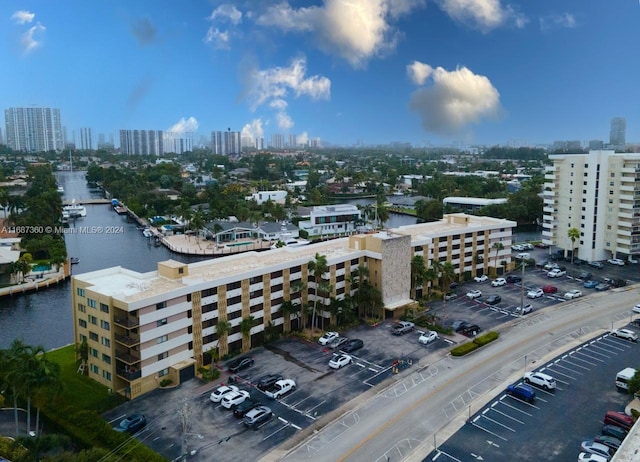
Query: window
point(163, 372)
point(83, 338)
point(91, 302)
point(161, 322)
point(106, 358)
point(180, 270)
point(234, 285)
point(104, 324)
point(104, 308)
point(162, 339)
point(161, 305)
point(80, 292)
point(93, 352)
point(209, 292)
point(276, 274)
point(95, 369)
point(82, 323)
point(82, 308)
point(188, 297)
point(106, 375)
point(105, 341)
point(93, 320)
point(93, 336)
point(162, 356)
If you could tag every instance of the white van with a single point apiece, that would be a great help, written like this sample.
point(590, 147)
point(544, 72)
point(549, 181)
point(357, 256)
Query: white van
point(523, 256)
point(623, 377)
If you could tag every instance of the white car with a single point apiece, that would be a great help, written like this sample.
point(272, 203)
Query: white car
point(280, 388)
point(339, 361)
point(218, 393)
point(575, 293)
point(541, 380)
point(428, 337)
point(474, 294)
point(526, 309)
point(625, 334)
point(234, 398)
point(482, 278)
point(517, 248)
point(615, 261)
point(535, 293)
point(498, 282)
point(556, 273)
point(551, 265)
point(587, 457)
point(636, 309)
point(328, 337)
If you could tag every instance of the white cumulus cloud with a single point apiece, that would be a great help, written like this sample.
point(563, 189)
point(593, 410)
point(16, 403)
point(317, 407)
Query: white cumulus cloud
point(218, 37)
point(284, 121)
point(31, 40)
point(564, 20)
point(227, 12)
point(419, 72)
point(253, 130)
point(454, 99)
point(302, 139)
point(23, 17)
point(189, 125)
point(355, 30)
point(485, 15)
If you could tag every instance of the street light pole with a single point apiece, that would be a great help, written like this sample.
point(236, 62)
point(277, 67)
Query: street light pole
point(522, 289)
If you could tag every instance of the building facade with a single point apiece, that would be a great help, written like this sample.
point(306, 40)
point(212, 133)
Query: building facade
point(332, 220)
point(142, 142)
point(85, 139)
point(142, 328)
point(226, 143)
point(617, 134)
point(34, 129)
point(599, 195)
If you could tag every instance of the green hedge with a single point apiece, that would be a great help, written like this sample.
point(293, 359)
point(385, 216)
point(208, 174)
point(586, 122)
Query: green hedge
point(476, 343)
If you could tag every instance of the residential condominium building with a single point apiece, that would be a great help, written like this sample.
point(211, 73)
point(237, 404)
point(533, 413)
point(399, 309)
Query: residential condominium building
point(34, 129)
point(142, 142)
point(142, 328)
point(599, 195)
point(225, 143)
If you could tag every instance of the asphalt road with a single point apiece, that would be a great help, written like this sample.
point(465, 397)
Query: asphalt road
point(403, 421)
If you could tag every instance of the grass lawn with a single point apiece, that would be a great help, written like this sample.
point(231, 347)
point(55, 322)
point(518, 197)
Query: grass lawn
point(79, 389)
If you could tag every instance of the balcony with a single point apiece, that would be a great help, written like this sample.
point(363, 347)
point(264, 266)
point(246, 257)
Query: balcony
point(127, 374)
point(127, 323)
point(128, 340)
point(128, 357)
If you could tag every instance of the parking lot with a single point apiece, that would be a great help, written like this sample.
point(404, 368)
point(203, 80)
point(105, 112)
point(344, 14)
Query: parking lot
point(552, 427)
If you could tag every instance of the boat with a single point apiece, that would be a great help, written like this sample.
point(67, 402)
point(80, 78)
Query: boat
point(74, 210)
point(286, 239)
point(60, 189)
point(74, 260)
point(147, 232)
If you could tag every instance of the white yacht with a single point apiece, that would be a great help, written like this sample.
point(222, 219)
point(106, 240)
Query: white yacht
point(74, 210)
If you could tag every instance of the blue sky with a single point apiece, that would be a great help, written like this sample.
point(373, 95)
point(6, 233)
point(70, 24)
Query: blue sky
point(436, 72)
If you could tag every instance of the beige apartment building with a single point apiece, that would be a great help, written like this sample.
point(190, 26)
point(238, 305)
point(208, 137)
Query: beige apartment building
point(142, 328)
point(598, 194)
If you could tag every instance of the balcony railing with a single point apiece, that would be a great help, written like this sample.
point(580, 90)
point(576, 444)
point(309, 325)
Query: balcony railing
point(127, 357)
point(129, 374)
point(128, 340)
point(127, 322)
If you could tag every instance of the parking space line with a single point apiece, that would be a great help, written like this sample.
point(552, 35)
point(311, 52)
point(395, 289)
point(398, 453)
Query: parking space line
point(592, 349)
point(498, 423)
point(488, 431)
point(592, 357)
point(294, 405)
point(577, 365)
point(507, 416)
point(312, 408)
point(614, 343)
point(277, 431)
point(515, 408)
point(561, 373)
point(447, 455)
point(577, 357)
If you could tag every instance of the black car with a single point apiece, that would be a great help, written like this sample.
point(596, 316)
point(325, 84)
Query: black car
point(240, 363)
point(267, 381)
point(132, 424)
point(470, 330)
point(352, 345)
point(493, 299)
point(513, 279)
point(245, 406)
point(453, 285)
point(459, 325)
point(618, 283)
point(585, 276)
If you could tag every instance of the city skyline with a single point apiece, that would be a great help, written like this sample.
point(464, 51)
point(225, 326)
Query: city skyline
point(424, 72)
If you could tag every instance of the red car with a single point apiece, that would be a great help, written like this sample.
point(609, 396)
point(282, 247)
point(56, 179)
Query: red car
point(549, 289)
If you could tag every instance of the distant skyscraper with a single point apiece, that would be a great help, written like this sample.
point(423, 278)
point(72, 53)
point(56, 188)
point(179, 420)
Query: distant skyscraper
point(1, 138)
point(292, 140)
point(617, 135)
point(225, 143)
point(179, 143)
point(85, 140)
point(277, 141)
point(141, 142)
point(34, 129)
point(596, 145)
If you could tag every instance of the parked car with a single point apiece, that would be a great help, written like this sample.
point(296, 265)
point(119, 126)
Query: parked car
point(527, 246)
point(231, 400)
point(549, 289)
point(523, 256)
point(556, 273)
point(636, 309)
point(591, 284)
point(589, 457)
point(339, 361)
point(481, 278)
point(266, 381)
point(470, 331)
point(625, 334)
point(610, 441)
point(618, 282)
point(328, 337)
point(459, 325)
point(550, 265)
point(245, 407)
point(241, 363)
point(517, 248)
point(281, 387)
point(337, 343)
point(615, 261)
point(522, 392)
point(402, 327)
point(132, 424)
point(513, 279)
point(619, 419)
point(585, 275)
point(428, 337)
point(541, 245)
point(472, 294)
point(450, 296)
point(498, 282)
point(574, 293)
point(352, 345)
point(596, 264)
point(615, 431)
point(602, 286)
point(579, 262)
point(217, 394)
point(535, 293)
point(544, 381)
point(493, 299)
point(596, 448)
point(257, 416)
point(526, 309)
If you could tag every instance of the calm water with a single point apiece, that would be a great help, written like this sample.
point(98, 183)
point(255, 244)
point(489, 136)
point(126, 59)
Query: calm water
point(45, 317)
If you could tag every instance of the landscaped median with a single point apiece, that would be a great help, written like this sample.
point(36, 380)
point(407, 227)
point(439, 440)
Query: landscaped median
point(476, 343)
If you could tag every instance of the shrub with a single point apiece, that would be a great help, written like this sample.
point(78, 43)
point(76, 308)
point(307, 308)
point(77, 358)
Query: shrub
point(489, 337)
point(208, 374)
point(464, 349)
point(166, 383)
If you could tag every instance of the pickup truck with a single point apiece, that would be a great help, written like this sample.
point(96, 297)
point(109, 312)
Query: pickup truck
point(402, 327)
point(280, 388)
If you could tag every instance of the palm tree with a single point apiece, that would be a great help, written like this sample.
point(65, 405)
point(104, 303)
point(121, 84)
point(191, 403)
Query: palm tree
point(48, 384)
point(430, 277)
point(417, 274)
point(436, 266)
point(448, 274)
point(12, 370)
point(287, 308)
point(297, 289)
point(223, 327)
point(245, 327)
point(318, 267)
point(573, 234)
point(4, 200)
point(325, 289)
point(498, 246)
